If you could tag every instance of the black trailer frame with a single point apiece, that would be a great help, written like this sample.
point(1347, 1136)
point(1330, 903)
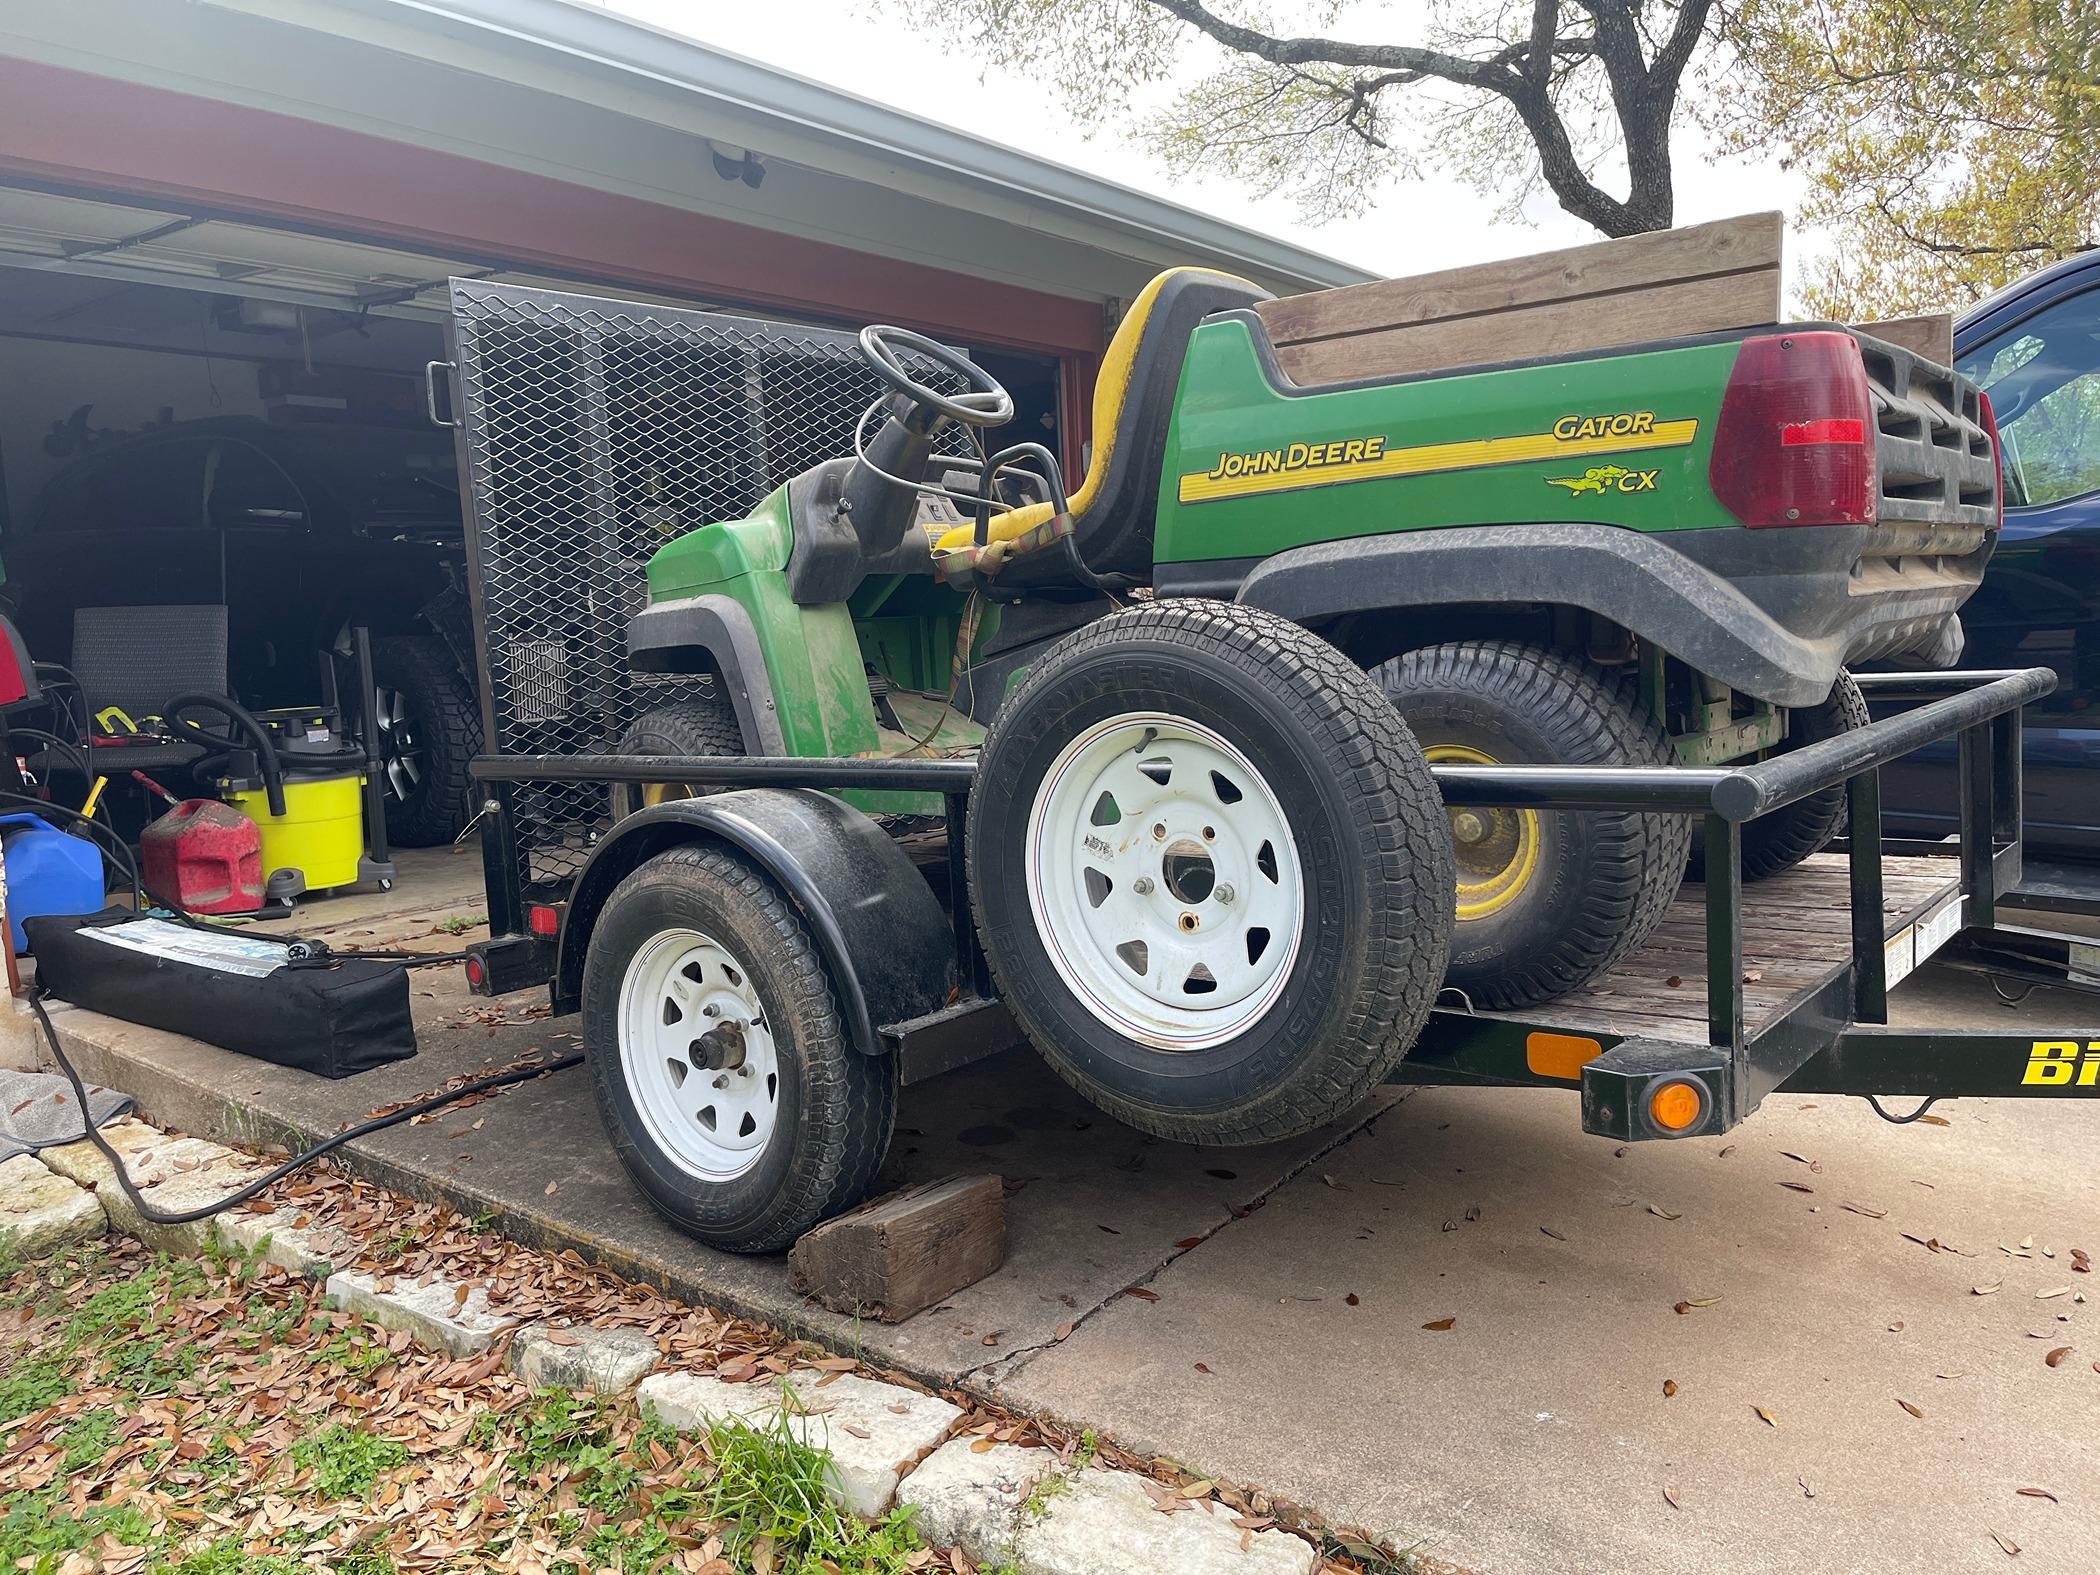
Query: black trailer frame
point(1831, 1037)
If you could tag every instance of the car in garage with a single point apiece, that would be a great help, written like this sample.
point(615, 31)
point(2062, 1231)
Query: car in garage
point(2035, 349)
point(301, 530)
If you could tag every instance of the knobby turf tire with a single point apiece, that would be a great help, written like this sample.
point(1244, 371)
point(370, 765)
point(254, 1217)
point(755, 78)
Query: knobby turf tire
point(836, 1106)
point(1372, 846)
point(1777, 842)
point(1603, 878)
point(446, 717)
point(685, 727)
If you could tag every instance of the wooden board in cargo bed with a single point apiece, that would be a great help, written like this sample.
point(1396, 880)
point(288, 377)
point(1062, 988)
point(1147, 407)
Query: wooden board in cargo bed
point(1797, 929)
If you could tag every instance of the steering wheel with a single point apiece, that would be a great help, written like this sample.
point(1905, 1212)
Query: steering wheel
point(986, 404)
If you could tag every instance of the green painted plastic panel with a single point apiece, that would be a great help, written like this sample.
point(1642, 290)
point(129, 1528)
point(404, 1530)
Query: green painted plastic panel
point(1616, 440)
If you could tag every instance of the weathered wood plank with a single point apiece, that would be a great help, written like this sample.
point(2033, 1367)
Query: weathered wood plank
point(898, 1254)
point(1703, 279)
point(1931, 336)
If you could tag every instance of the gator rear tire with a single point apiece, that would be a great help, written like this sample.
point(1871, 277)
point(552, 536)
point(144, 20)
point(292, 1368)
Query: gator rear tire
point(1210, 871)
point(686, 727)
point(1777, 842)
point(1548, 900)
point(744, 1138)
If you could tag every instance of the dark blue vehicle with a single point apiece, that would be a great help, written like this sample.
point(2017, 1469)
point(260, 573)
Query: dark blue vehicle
point(2034, 347)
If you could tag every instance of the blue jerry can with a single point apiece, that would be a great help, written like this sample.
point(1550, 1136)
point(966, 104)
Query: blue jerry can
point(48, 872)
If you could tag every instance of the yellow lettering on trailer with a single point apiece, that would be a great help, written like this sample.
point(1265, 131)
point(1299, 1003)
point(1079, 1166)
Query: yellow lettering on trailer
point(2059, 1063)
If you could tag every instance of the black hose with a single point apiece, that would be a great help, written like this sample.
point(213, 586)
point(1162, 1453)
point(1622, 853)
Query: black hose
point(66, 746)
point(243, 719)
point(153, 1216)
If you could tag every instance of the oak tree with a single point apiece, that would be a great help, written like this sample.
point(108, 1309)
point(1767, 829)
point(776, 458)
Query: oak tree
point(1326, 100)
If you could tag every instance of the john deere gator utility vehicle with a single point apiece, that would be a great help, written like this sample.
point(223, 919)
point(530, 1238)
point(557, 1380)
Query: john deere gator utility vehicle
point(1206, 857)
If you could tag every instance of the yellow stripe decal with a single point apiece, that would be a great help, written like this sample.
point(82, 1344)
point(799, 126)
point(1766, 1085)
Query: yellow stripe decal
point(1430, 458)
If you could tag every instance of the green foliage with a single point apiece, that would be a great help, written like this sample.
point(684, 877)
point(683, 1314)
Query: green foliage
point(347, 1462)
point(32, 1385)
point(226, 1557)
point(769, 1486)
point(1952, 147)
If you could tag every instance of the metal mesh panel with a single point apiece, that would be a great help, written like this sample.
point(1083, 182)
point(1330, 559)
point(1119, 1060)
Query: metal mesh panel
point(595, 431)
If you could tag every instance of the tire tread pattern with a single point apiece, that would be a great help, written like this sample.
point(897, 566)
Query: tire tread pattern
point(1402, 841)
point(1637, 861)
point(848, 1100)
point(433, 817)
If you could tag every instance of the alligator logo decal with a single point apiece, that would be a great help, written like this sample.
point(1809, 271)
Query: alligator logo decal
point(1601, 479)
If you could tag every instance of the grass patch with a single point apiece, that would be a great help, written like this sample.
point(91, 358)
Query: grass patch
point(347, 1461)
point(768, 1489)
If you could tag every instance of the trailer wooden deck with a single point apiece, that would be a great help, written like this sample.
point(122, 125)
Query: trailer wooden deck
point(1797, 930)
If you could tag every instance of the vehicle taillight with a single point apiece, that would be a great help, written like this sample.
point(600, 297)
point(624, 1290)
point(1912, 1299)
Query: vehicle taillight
point(1794, 444)
point(1989, 418)
point(543, 921)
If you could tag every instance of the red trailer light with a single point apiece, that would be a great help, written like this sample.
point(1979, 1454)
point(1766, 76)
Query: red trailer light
point(1989, 419)
point(544, 922)
point(477, 972)
point(1794, 443)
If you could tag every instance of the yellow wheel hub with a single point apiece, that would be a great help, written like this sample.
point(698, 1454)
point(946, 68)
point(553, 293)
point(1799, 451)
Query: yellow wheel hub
point(1497, 850)
point(664, 792)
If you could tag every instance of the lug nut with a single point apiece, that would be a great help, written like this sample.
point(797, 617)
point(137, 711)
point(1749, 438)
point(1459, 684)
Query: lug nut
point(710, 1010)
point(1467, 825)
point(1224, 893)
point(1142, 885)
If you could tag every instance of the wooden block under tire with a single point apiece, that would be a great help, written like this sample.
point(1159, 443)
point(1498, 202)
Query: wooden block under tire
point(898, 1254)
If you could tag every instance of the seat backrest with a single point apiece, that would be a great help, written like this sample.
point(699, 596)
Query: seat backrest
point(141, 657)
point(1113, 510)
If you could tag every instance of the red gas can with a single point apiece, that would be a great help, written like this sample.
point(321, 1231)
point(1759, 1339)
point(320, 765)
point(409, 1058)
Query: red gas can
point(205, 855)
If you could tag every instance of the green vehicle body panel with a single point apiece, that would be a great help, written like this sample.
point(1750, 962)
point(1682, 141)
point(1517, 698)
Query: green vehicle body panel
point(904, 626)
point(1487, 441)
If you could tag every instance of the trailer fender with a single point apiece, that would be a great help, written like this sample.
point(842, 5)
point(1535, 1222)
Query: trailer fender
point(1656, 589)
point(883, 935)
point(668, 636)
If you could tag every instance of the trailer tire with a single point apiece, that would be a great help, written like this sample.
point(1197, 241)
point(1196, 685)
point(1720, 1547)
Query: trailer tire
point(700, 926)
point(1777, 842)
point(686, 727)
point(1549, 899)
point(428, 728)
point(1265, 761)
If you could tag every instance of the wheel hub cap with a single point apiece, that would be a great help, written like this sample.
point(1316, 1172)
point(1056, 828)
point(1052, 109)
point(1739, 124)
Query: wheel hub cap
point(1164, 881)
point(1496, 850)
point(697, 1054)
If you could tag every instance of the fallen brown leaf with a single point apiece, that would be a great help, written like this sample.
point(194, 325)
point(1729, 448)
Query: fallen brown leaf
point(1765, 1416)
point(1670, 1496)
point(2011, 1547)
point(1440, 1324)
point(2056, 1356)
point(1913, 1410)
point(1662, 1213)
point(1550, 1231)
point(2037, 1493)
point(1987, 1290)
point(1669, 1387)
point(1353, 1299)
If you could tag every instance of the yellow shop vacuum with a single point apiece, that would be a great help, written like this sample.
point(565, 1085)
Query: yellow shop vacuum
point(303, 779)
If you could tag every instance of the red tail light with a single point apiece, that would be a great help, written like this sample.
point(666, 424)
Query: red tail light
point(1989, 419)
point(1794, 444)
point(543, 921)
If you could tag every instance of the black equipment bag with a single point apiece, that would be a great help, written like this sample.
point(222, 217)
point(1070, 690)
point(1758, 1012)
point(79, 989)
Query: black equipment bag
point(330, 1015)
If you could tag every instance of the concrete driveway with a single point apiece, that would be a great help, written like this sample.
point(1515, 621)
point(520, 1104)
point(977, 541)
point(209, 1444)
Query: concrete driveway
point(1531, 1435)
point(1535, 1432)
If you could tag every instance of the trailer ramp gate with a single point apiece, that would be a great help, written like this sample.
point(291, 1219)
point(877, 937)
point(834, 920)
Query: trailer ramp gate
point(591, 432)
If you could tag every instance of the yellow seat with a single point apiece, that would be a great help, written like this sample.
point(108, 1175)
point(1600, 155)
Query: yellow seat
point(1133, 398)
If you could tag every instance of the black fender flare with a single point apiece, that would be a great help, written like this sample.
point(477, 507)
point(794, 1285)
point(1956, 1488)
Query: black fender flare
point(883, 935)
point(1656, 590)
point(720, 626)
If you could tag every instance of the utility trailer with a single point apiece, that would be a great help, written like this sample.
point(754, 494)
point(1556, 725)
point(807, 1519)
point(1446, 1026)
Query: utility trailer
point(1783, 988)
point(1196, 777)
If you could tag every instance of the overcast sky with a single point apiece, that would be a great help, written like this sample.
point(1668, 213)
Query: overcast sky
point(1414, 226)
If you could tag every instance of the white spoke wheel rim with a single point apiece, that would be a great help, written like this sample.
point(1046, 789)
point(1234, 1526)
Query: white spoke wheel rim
point(1164, 881)
point(697, 1055)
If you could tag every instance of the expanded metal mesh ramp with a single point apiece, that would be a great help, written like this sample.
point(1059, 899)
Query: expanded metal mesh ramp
point(594, 431)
